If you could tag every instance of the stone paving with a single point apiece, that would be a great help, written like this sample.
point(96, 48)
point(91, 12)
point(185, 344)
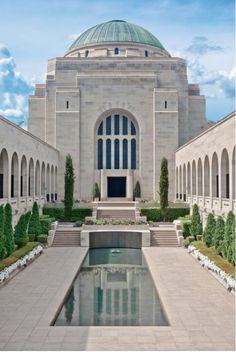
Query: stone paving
point(200, 310)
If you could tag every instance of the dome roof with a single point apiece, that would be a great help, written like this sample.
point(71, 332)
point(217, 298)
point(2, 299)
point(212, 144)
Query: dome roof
point(116, 31)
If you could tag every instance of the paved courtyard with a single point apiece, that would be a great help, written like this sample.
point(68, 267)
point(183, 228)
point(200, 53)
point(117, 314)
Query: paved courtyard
point(200, 310)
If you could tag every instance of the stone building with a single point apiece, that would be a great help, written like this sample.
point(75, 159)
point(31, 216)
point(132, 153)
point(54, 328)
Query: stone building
point(117, 102)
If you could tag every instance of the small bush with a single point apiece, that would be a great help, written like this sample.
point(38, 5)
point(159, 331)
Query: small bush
point(137, 190)
point(8, 230)
point(186, 229)
point(46, 223)
point(3, 251)
point(77, 213)
point(191, 239)
point(42, 238)
point(196, 225)
point(31, 237)
point(219, 235)
point(171, 214)
point(78, 223)
point(199, 237)
point(228, 237)
point(186, 242)
point(21, 237)
point(96, 191)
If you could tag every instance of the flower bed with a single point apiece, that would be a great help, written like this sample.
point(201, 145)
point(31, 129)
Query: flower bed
point(205, 262)
point(7, 273)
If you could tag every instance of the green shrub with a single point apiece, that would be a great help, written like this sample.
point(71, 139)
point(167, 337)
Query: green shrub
point(137, 190)
point(164, 187)
point(8, 230)
point(96, 192)
point(78, 223)
point(186, 229)
point(34, 222)
point(155, 214)
point(45, 223)
point(191, 239)
point(196, 225)
point(77, 213)
point(209, 230)
point(199, 237)
point(219, 235)
point(233, 242)
point(229, 237)
point(42, 238)
point(31, 237)
point(21, 237)
point(27, 219)
point(3, 251)
point(186, 242)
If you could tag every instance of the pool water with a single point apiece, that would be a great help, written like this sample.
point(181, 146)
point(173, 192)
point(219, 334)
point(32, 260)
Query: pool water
point(113, 288)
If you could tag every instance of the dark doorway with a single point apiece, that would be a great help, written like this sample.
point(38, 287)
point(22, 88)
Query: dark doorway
point(116, 187)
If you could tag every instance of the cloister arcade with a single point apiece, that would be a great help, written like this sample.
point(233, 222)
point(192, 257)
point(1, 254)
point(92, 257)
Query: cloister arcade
point(205, 169)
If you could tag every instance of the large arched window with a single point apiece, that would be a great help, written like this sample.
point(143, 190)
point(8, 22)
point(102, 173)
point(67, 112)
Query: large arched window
point(117, 143)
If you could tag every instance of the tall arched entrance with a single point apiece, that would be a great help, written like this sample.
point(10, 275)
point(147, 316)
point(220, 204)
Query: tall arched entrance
point(116, 153)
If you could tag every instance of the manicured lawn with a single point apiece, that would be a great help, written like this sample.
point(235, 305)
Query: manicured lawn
point(210, 252)
point(17, 254)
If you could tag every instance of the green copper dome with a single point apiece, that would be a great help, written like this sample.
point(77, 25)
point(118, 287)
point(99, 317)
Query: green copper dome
point(116, 31)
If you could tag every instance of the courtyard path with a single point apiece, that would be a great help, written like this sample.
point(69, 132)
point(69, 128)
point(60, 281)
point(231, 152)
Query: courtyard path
point(200, 310)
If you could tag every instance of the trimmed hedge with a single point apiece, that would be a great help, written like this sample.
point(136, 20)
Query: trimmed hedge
point(19, 253)
point(42, 238)
point(45, 223)
point(58, 213)
point(154, 214)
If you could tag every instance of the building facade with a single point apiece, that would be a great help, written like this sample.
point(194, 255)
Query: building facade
point(117, 102)
point(205, 169)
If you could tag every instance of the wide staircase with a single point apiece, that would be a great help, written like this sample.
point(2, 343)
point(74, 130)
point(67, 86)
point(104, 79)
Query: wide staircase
point(67, 236)
point(164, 236)
point(116, 210)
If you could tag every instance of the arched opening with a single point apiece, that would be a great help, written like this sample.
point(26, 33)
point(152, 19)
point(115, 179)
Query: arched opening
point(31, 178)
point(233, 175)
point(215, 176)
point(184, 182)
point(199, 177)
point(224, 174)
point(23, 177)
point(4, 174)
point(37, 179)
point(188, 179)
point(177, 182)
point(14, 175)
point(180, 182)
point(194, 178)
point(48, 183)
point(52, 183)
point(206, 177)
point(43, 181)
point(56, 191)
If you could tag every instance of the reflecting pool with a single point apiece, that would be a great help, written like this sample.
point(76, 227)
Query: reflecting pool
point(113, 288)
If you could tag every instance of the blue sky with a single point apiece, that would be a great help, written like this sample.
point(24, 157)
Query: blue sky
point(32, 31)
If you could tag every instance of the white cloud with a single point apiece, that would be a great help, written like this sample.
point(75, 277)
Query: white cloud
point(14, 90)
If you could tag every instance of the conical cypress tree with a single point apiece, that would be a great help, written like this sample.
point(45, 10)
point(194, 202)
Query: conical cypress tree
point(3, 251)
point(164, 186)
point(233, 243)
point(21, 237)
point(196, 225)
point(137, 190)
point(219, 235)
point(209, 230)
point(34, 222)
point(8, 230)
point(69, 187)
point(228, 237)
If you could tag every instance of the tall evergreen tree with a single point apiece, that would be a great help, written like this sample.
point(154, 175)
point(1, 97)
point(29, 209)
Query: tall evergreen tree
point(21, 237)
point(69, 187)
point(195, 225)
point(219, 235)
point(3, 251)
point(233, 242)
point(69, 306)
point(34, 222)
point(209, 230)
point(228, 237)
point(8, 230)
point(164, 186)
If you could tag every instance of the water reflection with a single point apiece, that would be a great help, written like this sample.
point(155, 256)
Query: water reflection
point(113, 288)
